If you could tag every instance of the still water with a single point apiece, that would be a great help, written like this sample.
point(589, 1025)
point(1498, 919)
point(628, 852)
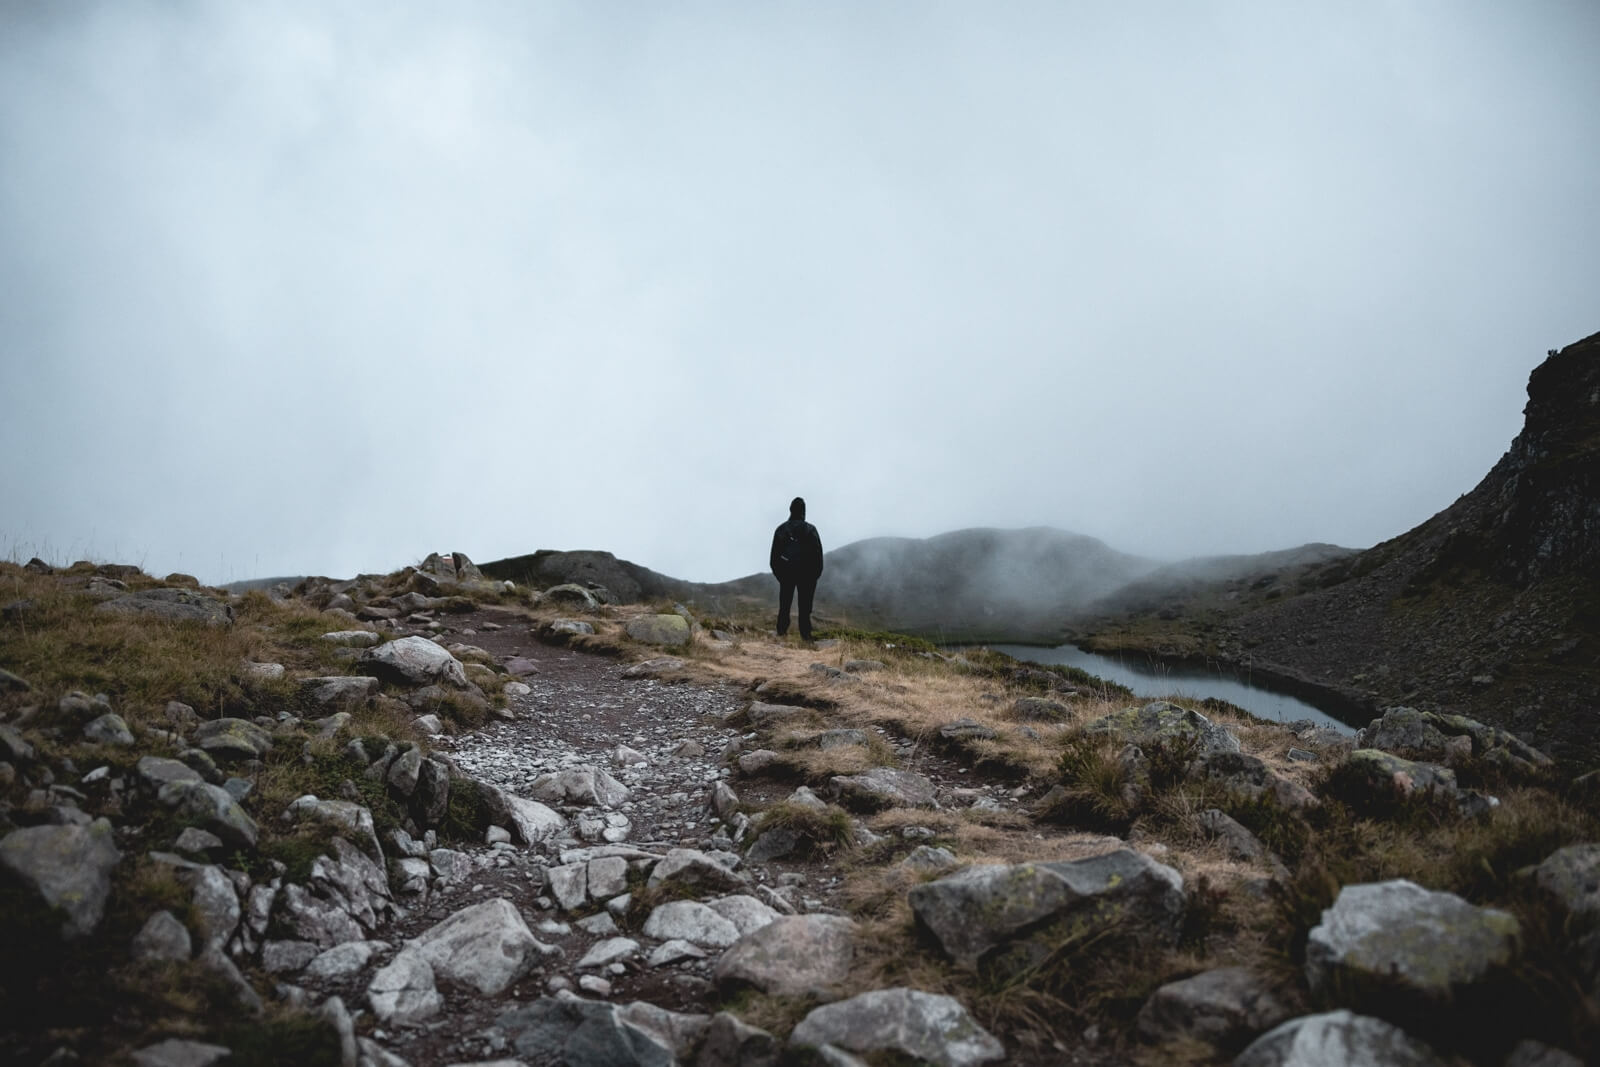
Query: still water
point(1150, 678)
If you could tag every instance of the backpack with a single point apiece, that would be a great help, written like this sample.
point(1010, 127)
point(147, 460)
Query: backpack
point(791, 545)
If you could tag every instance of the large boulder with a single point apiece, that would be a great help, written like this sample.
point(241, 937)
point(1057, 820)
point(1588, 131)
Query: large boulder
point(1374, 779)
point(660, 630)
point(402, 993)
point(1337, 1039)
point(1393, 945)
point(691, 921)
point(580, 785)
point(796, 955)
point(1005, 915)
point(691, 869)
point(414, 661)
point(1427, 735)
point(1569, 880)
point(926, 1027)
point(485, 947)
point(65, 867)
point(1165, 724)
point(171, 605)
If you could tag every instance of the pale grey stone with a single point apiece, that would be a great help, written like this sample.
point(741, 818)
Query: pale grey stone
point(196, 841)
point(341, 815)
point(928, 1027)
point(795, 955)
point(745, 912)
point(1225, 1008)
point(531, 821)
point(344, 961)
point(287, 957)
point(600, 924)
point(885, 787)
point(414, 661)
point(692, 869)
point(569, 884)
point(403, 993)
point(611, 950)
point(352, 638)
point(65, 867)
point(660, 630)
point(690, 920)
point(674, 951)
point(928, 858)
point(730, 1042)
point(580, 785)
point(608, 876)
point(1337, 1039)
point(109, 729)
point(162, 937)
point(175, 1052)
point(485, 947)
point(232, 739)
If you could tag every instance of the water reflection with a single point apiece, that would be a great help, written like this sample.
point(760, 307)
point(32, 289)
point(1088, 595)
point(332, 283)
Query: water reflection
point(1155, 680)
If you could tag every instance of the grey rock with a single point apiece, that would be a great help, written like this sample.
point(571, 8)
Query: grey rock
point(991, 911)
point(1161, 723)
point(569, 884)
point(352, 638)
point(162, 937)
point(608, 877)
point(1225, 1008)
point(213, 903)
point(343, 961)
point(1249, 776)
point(196, 841)
point(675, 951)
point(569, 628)
point(609, 951)
point(340, 690)
point(754, 763)
point(211, 808)
point(375, 1055)
point(403, 992)
point(745, 912)
point(403, 772)
point(680, 1031)
point(927, 1027)
point(341, 815)
point(14, 747)
point(1040, 709)
point(287, 957)
point(337, 1016)
point(795, 955)
point(414, 661)
point(928, 858)
point(692, 921)
point(1531, 1053)
point(485, 947)
point(65, 867)
point(583, 1033)
point(232, 739)
point(230, 977)
point(109, 729)
point(580, 785)
point(600, 924)
point(572, 593)
point(660, 630)
point(1237, 841)
point(966, 730)
point(530, 820)
point(1386, 938)
point(773, 844)
point(764, 714)
point(313, 918)
point(838, 739)
point(691, 869)
point(654, 668)
point(885, 787)
point(1337, 1039)
point(1430, 736)
point(175, 1052)
point(175, 605)
point(260, 672)
point(1383, 778)
point(730, 1042)
point(724, 801)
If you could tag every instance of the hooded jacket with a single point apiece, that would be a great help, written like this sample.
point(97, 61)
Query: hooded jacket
point(799, 538)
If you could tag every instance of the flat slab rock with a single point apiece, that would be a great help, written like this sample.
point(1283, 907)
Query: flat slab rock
point(485, 947)
point(986, 910)
point(924, 1026)
point(794, 955)
point(885, 787)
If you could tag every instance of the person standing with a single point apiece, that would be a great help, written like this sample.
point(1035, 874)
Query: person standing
point(797, 564)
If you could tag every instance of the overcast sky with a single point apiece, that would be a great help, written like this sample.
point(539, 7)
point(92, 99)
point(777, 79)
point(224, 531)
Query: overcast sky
point(320, 287)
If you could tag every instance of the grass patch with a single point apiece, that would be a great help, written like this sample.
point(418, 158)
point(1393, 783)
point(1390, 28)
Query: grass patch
point(820, 831)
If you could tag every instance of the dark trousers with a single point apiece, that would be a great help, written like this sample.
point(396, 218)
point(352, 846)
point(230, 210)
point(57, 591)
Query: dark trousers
point(786, 590)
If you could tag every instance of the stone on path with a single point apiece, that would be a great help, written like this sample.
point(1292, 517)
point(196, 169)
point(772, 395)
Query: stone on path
point(926, 1027)
point(65, 867)
point(485, 947)
point(660, 630)
point(1337, 1039)
point(654, 668)
point(402, 992)
point(692, 921)
point(580, 785)
point(795, 955)
point(885, 787)
point(994, 910)
point(414, 661)
point(692, 869)
point(1384, 938)
point(583, 1033)
point(532, 821)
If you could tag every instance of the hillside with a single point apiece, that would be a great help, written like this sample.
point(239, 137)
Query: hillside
point(1490, 608)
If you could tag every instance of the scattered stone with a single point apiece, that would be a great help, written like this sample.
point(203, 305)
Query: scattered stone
point(689, 868)
point(109, 729)
point(339, 690)
point(430, 724)
point(754, 763)
point(1225, 1008)
point(729, 1042)
point(1335, 1039)
point(402, 993)
point(692, 921)
point(232, 739)
point(211, 808)
point(1384, 939)
point(659, 630)
point(569, 628)
point(611, 950)
point(65, 867)
point(884, 787)
point(745, 912)
point(1237, 841)
point(654, 668)
point(352, 638)
point(991, 911)
point(675, 951)
point(344, 961)
point(926, 1027)
point(593, 983)
point(928, 858)
point(156, 772)
point(569, 884)
point(774, 843)
point(1249, 776)
point(967, 730)
point(175, 1052)
point(162, 937)
point(176, 605)
point(724, 801)
point(1161, 723)
point(287, 957)
point(341, 815)
point(414, 661)
point(260, 672)
point(576, 1032)
point(1040, 709)
point(530, 820)
point(795, 955)
point(485, 947)
point(580, 785)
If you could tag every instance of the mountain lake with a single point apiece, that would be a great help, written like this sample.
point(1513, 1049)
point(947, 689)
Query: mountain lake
point(1155, 680)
